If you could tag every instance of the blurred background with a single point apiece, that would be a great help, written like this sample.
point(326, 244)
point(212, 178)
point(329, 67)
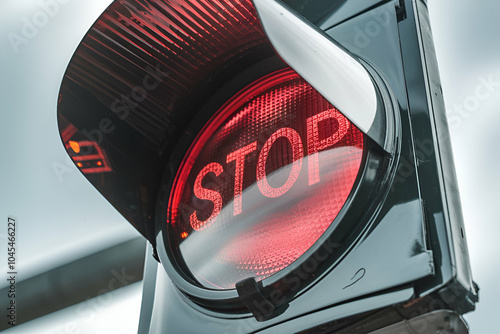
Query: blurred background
point(468, 52)
point(64, 224)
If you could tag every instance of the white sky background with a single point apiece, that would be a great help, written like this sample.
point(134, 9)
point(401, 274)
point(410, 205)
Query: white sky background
point(467, 42)
point(61, 216)
point(466, 36)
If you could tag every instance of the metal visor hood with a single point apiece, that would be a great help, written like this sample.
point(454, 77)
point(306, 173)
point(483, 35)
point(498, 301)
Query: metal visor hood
point(345, 81)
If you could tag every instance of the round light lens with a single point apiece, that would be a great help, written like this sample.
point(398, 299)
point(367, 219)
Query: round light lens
point(262, 182)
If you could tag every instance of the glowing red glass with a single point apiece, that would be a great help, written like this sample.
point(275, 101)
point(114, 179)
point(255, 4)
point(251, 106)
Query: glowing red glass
point(262, 182)
point(88, 156)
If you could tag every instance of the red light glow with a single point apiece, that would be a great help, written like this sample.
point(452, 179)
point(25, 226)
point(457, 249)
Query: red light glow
point(68, 132)
point(74, 146)
point(88, 156)
point(297, 154)
point(315, 144)
point(206, 194)
point(239, 157)
point(173, 45)
point(241, 189)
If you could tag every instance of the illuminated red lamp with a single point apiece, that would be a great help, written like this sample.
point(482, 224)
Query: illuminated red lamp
point(88, 156)
point(263, 181)
point(74, 146)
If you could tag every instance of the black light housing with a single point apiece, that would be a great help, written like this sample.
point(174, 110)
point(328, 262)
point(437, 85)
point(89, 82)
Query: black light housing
point(148, 90)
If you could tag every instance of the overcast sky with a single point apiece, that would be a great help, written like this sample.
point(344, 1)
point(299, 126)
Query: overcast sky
point(466, 35)
point(468, 49)
point(61, 216)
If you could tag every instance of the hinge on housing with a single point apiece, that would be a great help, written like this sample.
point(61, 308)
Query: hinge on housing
point(155, 254)
point(400, 10)
point(252, 295)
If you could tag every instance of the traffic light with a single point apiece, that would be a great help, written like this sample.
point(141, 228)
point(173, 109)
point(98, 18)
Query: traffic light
point(288, 161)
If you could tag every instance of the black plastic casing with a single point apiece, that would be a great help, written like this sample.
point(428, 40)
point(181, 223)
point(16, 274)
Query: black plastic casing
point(407, 257)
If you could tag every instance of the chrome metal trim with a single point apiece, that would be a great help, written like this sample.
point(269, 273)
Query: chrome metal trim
point(441, 321)
point(341, 78)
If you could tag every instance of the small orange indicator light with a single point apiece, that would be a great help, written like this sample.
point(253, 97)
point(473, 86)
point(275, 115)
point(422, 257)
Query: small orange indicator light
point(79, 164)
point(184, 235)
point(74, 146)
point(99, 163)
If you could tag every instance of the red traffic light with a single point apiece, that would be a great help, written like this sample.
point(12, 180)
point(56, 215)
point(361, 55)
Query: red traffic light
point(263, 181)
